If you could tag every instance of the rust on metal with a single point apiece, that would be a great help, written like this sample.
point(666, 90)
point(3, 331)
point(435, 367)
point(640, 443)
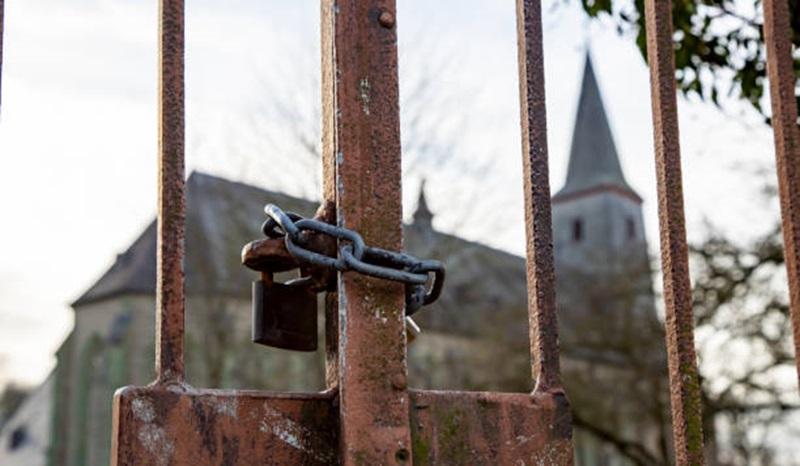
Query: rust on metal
point(368, 415)
point(780, 68)
point(268, 255)
point(538, 221)
point(271, 255)
point(479, 428)
point(328, 93)
point(684, 384)
point(363, 139)
point(170, 299)
point(161, 426)
point(164, 426)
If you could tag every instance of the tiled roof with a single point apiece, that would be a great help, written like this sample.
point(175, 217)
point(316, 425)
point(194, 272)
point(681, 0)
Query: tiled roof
point(221, 217)
point(484, 287)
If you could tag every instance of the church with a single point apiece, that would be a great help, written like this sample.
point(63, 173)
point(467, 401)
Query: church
point(474, 337)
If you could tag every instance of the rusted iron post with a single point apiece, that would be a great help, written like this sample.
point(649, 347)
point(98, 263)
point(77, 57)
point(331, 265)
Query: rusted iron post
point(170, 298)
point(684, 384)
point(780, 67)
point(328, 92)
point(538, 221)
point(363, 123)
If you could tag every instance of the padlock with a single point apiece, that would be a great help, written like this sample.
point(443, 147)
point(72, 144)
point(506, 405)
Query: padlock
point(284, 314)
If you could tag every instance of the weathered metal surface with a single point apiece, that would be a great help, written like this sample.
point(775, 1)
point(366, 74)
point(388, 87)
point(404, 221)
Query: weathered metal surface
point(148, 424)
point(223, 427)
point(328, 81)
point(478, 428)
point(366, 142)
point(284, 315)
point(684, 384)
point(538, 221)
point(369, 417)
point(268, 255)
point(170, 299)
point(163, 426)
point(780, 68)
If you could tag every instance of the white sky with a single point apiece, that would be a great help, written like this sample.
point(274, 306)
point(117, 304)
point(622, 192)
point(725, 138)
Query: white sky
point(77, 135)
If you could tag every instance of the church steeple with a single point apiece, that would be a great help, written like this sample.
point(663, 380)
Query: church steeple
point(593, 161)
point(423, 217)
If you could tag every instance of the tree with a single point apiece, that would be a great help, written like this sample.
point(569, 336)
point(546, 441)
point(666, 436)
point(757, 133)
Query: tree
point(282, 125)
point(719, 44)
point(742, 314)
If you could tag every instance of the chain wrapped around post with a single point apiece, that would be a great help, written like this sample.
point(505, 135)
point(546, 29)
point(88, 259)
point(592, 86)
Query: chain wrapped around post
point(354, 255)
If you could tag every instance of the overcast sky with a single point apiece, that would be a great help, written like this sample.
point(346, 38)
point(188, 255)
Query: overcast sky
point(78, 128)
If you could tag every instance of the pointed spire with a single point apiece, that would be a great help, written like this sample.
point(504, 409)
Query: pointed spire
point(423, 217)
point(593, 159)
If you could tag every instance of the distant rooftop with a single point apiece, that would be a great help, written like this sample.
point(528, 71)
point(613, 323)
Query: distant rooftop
point(222, 216)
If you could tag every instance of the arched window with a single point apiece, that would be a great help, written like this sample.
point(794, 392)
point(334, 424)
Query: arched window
point(630, 228)
point(577, 230)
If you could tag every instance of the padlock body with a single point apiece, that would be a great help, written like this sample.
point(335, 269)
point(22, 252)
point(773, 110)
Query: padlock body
point(284, 316)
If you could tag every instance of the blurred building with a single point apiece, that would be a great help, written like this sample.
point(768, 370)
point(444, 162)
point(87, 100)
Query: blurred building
point(25, 436)
point(474, 337)
point(612, 344)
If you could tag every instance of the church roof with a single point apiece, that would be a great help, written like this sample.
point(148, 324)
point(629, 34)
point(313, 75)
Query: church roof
point(221, 217)
point(485, 286)
point(593, 160)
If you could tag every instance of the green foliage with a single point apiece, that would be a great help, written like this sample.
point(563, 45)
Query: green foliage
point(719, 44)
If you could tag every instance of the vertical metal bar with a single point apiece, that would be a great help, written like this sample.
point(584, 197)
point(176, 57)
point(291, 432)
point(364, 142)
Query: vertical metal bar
point(170, 298)
point(362, 100)
point(684, 384)
point(538, 221)
point(329, 183)
point(782, 81)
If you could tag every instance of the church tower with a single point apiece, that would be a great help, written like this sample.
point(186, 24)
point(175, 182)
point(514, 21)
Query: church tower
point(608, 329)
point(601, 258)
point(597, 216)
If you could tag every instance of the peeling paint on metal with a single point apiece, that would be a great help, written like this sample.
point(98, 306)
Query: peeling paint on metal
point(143, 410)
point(291, 433)
point(228, 407)
point(155, 441)
point(364, 94)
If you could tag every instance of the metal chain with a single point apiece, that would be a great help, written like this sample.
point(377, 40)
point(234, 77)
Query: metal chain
point(356, 256)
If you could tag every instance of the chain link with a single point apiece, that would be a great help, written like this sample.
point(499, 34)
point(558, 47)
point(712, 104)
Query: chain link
point(355, 255)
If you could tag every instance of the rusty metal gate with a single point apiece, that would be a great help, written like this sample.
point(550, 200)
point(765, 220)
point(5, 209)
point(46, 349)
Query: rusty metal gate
point(368, 415)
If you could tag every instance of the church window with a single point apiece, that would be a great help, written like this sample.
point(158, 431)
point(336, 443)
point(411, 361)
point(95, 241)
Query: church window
point(19, 437)
point(577, 230)
point(630, 228)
